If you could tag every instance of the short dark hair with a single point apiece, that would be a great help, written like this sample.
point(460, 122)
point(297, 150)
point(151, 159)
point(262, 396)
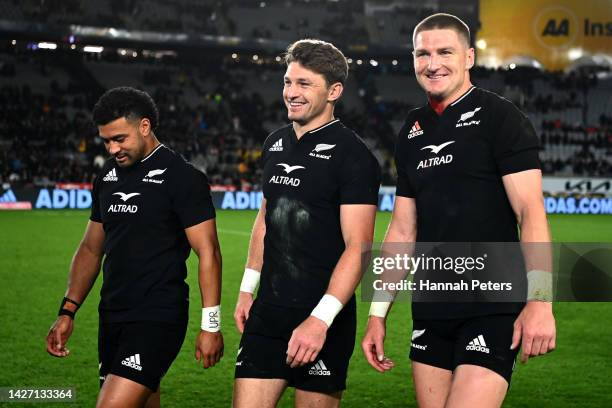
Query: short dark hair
point(442, 21)
point(125, 102)
point(321, 57)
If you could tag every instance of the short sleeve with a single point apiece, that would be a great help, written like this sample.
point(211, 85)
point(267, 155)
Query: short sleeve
point(95, 201)
point(403, 186)
point(191, 199)
point(359, 177)
point(515, 143)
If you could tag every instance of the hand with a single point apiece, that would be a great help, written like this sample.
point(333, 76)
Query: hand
point(372, 345)
point(58, 336)
point(209, 348)
point(536, 326)
point(306, 342)
point(243, 307)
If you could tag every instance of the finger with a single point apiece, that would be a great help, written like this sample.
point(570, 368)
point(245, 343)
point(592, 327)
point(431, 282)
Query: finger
point(552, 344)
point(299, 357)
point(239, 322)
point(516, 336)
point(58, 341)
point(373, 359)
point(380, 351)
point(291, 350)
point(197, 353)
point(526, 348)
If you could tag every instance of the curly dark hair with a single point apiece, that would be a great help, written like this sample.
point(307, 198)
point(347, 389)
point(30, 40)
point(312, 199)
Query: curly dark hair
point(125, 102)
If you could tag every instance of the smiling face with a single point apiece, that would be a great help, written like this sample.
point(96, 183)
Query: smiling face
point(307, 96)
point(126, 140)
point(442, 60)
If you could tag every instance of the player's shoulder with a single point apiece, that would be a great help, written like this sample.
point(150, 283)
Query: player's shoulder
point(178, 166)
point(277, 135)
point(412, 117)
point(496, 102)
point(348, 138)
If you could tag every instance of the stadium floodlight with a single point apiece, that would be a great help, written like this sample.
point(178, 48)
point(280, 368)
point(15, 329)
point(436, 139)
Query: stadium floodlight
point(574, 53)
point(278, 58)
point(349, 60)
point(234, 56)
point(394, 62)
point(512, 66)
point(359, 62)
point(373, 63)
point(73, 47)
point(481, 44)
point(255, 57)
point(14, 42)
point(93, 48)
point(47, 45)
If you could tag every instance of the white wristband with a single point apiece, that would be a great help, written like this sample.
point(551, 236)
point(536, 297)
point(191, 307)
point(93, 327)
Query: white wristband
point(379, 309)
point(539, 286)
point(211, 319)
point(327, 309)
point(250, 280)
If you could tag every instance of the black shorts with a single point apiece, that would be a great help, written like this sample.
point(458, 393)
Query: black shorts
point(483, 341)
point(262, 352)
point(139, 351)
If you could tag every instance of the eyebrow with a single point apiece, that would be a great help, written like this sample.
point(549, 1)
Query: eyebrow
point(114, 137)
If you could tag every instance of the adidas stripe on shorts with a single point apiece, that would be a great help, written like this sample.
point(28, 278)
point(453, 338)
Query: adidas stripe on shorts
point(262, 352)
point(483, 341)
point(139, 351)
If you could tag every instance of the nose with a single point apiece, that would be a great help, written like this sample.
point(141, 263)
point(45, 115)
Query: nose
point(434, 62)
point(291, 91)
point(113, 147)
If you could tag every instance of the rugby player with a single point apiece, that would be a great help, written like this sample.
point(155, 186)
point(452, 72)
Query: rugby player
point(468, 171)
point(149, 209)
point(320, 185)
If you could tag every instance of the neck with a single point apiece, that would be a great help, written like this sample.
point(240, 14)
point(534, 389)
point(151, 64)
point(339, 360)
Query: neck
point(151, 145)
point(439, 105)
point(300, 130)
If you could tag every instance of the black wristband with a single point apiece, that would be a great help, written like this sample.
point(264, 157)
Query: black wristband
point(66, 312)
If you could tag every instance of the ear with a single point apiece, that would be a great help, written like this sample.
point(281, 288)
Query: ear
point(469, 63)
point(335, 92)
point(144, 127)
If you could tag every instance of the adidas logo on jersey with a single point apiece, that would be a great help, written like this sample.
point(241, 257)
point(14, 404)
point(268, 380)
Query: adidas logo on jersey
point(415, 130)
point(277, 146)
point(319, 369)
point(133, 362)
point(111, 176)
point(478, 344)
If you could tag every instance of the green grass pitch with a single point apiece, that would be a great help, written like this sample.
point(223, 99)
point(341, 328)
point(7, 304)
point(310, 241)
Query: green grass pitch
point(35, 251)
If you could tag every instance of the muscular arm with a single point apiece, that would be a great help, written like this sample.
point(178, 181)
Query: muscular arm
point(84, 270)
point(256, 244)
point(536, 324)
point(357, 224)
point(402, 230)
point(203, 240)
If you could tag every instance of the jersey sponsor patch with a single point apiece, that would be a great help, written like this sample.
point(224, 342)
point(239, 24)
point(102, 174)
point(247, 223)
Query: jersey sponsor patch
point(435, 161)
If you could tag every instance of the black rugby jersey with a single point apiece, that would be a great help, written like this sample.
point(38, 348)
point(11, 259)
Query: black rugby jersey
point(144, 210)
point(305, 182)
point(452, 165)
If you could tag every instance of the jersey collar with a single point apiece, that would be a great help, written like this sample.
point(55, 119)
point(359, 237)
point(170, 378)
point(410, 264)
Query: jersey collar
point(455, 103)
point(152, 153)
point(327, 125)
